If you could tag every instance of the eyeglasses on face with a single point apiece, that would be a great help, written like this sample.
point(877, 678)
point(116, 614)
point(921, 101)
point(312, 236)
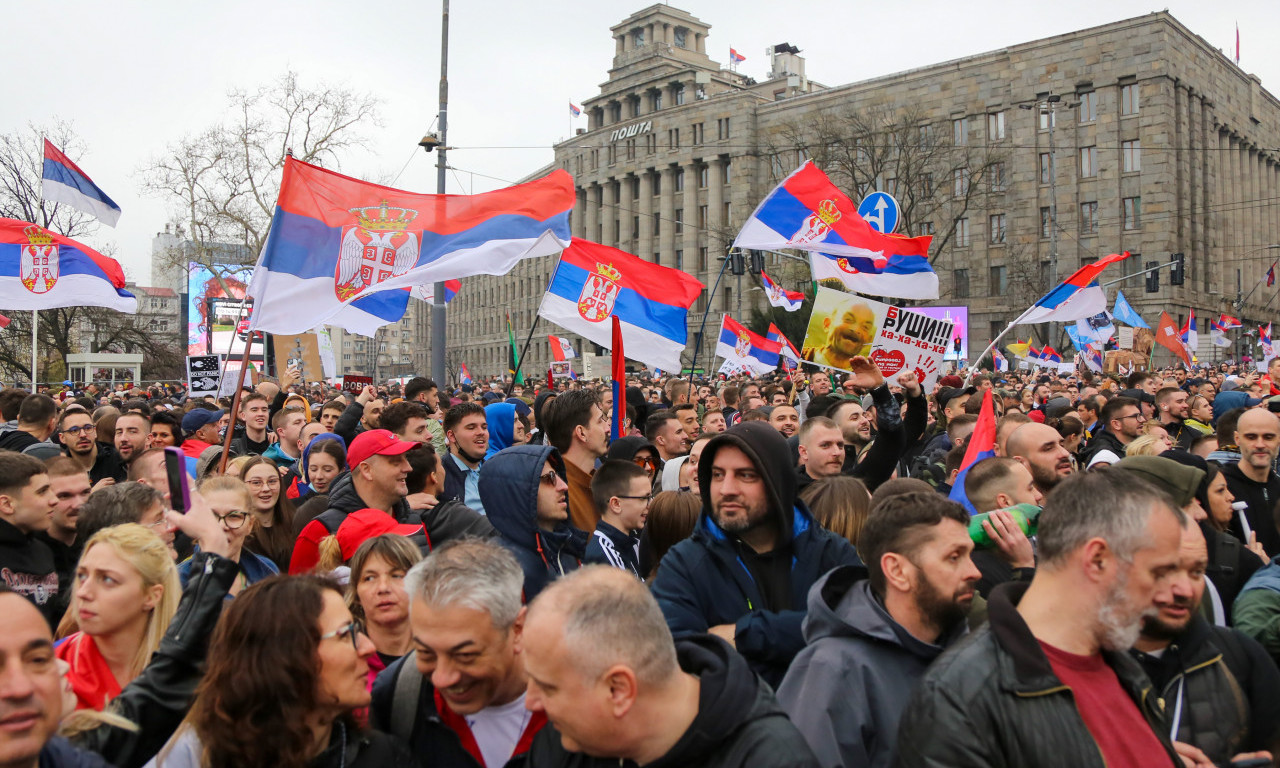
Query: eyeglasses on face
point(232, 520)
point(645, 499)
point(648, 462)
point(350, 629)
point(549, 478)
point(73, 431)
point(258, 482)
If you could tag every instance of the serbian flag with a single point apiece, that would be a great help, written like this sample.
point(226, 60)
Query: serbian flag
point(1218, 333)
point(1078, 297)
point(62, 181)
point(1189, 337)
point(427, 291)
point(736, 57)
point(790, 357)
point(40, 269)
point(618, 363)
point(464, 376)
point(574, 109)
point(747, 349)
point(1093, 358)
point(779, 296)
point(561, 349)
point(1033, 353)
point(806, 211)
point(998, 362)
point(345, 252)
point(1228, 322)
point(1050, 355)
point(1271, 275)
point(595, 281)
point(981, 445)
point(1168, 337)
point(1264, 338)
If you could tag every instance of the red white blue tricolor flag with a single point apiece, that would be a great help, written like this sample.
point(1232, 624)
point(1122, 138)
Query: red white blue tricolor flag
point(807, 212)
point(790, 357)
point(574, 109)
point(464, 376)
point(981, 445)
point(561, 349)
point(594, 282)
point(40, 269)
point(779, 296)
point(346, 252)
point(736, 57)
point(1076, 298)
point(746, 349)
point(1189, 336)
point(1218, 333)
point(62, 181)
point(427, 291)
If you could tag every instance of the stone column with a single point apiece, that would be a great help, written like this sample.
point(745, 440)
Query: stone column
point(579, 214)
point(691, 233)
point(715, 204)
point(592, 206)
point(644, 243)
point(667, 210)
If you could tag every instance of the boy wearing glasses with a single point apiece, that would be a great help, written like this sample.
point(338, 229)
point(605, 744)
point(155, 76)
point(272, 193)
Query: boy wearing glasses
point(622, 491)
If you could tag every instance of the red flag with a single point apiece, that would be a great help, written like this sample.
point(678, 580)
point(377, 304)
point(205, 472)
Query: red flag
point(1168, 336)
point(619, 364)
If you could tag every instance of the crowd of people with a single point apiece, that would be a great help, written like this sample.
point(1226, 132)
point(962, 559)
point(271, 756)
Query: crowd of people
point(789, 570)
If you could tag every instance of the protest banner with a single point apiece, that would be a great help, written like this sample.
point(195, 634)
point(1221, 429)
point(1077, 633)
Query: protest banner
point(302, 349)
point(844, 325)
point(355, 384)
point(561, 369)
point(202, 375)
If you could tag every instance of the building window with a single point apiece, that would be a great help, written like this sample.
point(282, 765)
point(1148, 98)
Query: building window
point(1089, 217)
point(926, 135)
point(999, 281)
point(960, 131)
point(657, 184)
point(679, 180)
point(997, 223)
point(1044, 168)
point(960, 182)
point(697, 133)
point(678, 95)
point(673, 138)
point(962, 233)
point(702, 217)
point(995, 126)
point(635, 188)
point(655, 100)
point(679, 217)
point(1088, 162)
point(635, 226)
point(704, 176)
point(617, 230)
point(1132, 212)
point(926, 228)
point(631, 149)
point(1047, 118)
point(724, 173)
point(657, 257)
point(702, 259)
point(657, 225)
point(682, 36)
point(775, 166)
point(1131, 153)
point(651, 143)
point(722, 128)
point(960, 279)
point(679, 260)
point(725, 221)
point(1129, 99)
point(613, 154)
point(1088, 108)
point(999, 182)
point(1046, 222)
point(926, 183)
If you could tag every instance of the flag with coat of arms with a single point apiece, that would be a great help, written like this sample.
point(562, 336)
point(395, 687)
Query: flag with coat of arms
point(747, 349)
point(40, 269)
point(779, 296)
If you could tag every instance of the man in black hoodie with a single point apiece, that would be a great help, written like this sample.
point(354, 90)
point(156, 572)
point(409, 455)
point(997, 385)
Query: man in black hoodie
point(27, 502)
point(745, 573)
point(602, 667)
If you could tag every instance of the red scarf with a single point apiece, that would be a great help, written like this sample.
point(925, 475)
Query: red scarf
point(89, 676)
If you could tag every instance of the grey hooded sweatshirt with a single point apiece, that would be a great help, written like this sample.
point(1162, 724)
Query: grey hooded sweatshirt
point(849, 686)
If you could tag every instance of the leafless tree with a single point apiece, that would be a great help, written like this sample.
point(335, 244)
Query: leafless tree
point(222, 182)
point(21, 170)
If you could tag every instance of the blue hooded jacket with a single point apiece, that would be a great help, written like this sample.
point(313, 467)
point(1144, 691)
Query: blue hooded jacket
point(501, 418)
point(509, 485)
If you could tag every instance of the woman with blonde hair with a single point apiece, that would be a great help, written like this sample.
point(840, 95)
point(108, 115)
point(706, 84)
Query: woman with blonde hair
point(1147, 445)
point(840, 504)
point(126, 592)
point(231, 505)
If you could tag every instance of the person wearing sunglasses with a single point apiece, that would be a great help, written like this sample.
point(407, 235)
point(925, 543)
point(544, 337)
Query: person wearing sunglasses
point(622, 492)
point(525, 495)
point(231, 504)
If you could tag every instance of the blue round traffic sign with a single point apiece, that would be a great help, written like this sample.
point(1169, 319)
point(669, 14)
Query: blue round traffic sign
point(881, 211)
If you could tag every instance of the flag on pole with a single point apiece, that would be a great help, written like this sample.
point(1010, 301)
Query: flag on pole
point(736, 57)
point(513, 359)
point(345, 252)
point(779, 296)
point(981, 445)
point(40, 269)
point(747, 349)
point(1125, 313)
point(561, 349)
point(595, 281)
point(1189, 336)
point(790, 357)
point(1098, 328)
point(618, 374)
point(998, 361)
point(1093, 358)
point(1228, 322)
point(62, 181)
point(1033, 354)
point(1271, 275)
point(574, 109)
point(1264, 338)
point(1076, 297)
point(806, 211)
point(1168, 337)
point(1050, 355)
point(1238, 54)
point(1218, 333)
point(427, 291)
point(1020, 349)
point(464, 376)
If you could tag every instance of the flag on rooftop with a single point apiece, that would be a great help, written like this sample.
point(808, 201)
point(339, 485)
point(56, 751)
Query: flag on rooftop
point(574, 109)
point(736, 57)
point(62, 181)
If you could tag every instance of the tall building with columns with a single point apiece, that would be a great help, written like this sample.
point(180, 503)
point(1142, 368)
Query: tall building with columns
point(1136, 135)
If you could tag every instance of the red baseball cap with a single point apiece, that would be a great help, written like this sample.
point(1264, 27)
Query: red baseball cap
point(375, 442)
point(364, 524)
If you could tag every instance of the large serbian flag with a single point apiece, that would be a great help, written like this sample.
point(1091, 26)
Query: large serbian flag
point(62, 181)
point(806, 211)
point(594, 282)
point(43, 270)
point(746, 349)
point(346, 252)
point(1076, 298)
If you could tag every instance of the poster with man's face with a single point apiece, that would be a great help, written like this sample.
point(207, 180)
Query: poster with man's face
point(844, 326)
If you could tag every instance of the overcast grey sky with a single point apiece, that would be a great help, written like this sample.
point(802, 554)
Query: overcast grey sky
point(133, 76)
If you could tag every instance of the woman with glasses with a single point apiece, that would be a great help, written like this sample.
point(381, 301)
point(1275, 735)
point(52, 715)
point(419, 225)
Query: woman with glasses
point(273, 535)
point(287, 667)
point(126, 592)
point(229, 498)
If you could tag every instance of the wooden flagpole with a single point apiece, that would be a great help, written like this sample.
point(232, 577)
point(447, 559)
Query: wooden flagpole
point(235, 402)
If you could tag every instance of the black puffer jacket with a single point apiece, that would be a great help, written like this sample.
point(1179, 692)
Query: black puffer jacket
point(994, 700)
point(739, 723)
point(158, 699)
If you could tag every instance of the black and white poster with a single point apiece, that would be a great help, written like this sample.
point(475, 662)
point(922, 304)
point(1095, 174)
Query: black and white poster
point(202, 374)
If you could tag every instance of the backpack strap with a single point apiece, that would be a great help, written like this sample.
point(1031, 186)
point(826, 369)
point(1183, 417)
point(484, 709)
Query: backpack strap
point(404, 700)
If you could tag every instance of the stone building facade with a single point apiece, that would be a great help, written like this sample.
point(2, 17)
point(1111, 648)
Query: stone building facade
point(1160, 145)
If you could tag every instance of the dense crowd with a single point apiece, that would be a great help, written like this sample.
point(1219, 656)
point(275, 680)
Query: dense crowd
point(791, 570)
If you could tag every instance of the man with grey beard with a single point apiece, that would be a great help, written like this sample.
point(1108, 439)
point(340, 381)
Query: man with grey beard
point(1048, 680)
